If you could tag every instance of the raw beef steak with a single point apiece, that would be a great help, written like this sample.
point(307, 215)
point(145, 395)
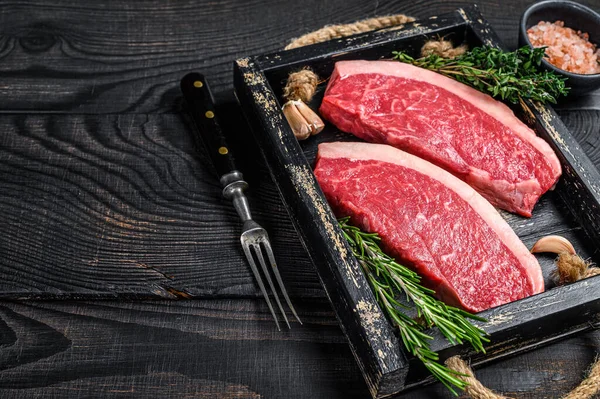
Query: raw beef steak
point(431, 221)
point(460, 129)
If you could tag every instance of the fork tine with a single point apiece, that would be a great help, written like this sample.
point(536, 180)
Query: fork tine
point(260, 282)
point(261, 259)
point(271, 257)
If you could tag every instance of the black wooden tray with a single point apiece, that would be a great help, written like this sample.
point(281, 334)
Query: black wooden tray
point(572, 210)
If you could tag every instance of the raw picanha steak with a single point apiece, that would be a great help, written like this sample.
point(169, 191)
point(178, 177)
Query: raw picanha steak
point(460, 129)
point(431, 221)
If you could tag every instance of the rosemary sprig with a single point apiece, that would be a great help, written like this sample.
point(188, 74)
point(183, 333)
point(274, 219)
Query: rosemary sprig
point(389, 279)
point(508, 75)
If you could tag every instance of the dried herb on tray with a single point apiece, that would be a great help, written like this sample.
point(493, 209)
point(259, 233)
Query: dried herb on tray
point(510, 76)
point(389, 280)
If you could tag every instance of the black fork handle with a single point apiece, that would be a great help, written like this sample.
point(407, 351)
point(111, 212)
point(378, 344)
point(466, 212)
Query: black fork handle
point(200, 101)
point(201, 104)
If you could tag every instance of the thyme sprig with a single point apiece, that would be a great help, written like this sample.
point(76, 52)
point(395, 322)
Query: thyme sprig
point(389, 280)
point(510, 76)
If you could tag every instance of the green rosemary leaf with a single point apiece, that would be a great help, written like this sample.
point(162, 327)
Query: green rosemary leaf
point(389, 279)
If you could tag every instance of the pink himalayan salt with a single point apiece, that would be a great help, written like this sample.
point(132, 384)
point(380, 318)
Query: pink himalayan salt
point(568, 49)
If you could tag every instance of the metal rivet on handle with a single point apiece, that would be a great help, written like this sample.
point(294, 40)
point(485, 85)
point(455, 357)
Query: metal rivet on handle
point(223, 150)
point(198, 84)
point(209, 114)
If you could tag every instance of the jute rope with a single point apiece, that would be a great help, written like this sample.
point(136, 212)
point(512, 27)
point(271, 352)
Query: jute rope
point(301, 85)
point(571, 268)
point(337, 31)
point(443, 48)
point(475, 389)
point(587, 389)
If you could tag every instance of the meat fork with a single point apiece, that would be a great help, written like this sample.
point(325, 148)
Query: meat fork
point(200, 102)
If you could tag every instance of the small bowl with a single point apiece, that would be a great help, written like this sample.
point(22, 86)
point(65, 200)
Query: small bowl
point(575, 16)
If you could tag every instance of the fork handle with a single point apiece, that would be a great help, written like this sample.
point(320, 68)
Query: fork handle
point(201, 105)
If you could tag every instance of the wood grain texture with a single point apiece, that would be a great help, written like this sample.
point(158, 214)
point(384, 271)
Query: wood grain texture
point(111, 345)
point(88, 57)
point(220, 349)
point(123, 204)
point(129, 187)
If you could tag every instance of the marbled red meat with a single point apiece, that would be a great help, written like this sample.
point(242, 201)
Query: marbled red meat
point(462, 130)
point(430, 221)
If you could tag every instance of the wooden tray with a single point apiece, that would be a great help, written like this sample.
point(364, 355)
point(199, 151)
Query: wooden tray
point(571, 210)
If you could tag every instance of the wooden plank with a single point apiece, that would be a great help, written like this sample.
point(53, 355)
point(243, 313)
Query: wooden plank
point(221, 348)
point(114, 57)
point(125, 204)
point(204, 348)
point(585, 126)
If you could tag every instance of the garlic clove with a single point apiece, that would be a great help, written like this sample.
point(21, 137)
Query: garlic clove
point(315, 122)
point(554, 244)
point(300, 126)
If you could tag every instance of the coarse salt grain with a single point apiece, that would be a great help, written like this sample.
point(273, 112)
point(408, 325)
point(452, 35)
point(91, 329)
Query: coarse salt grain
point(567, 49)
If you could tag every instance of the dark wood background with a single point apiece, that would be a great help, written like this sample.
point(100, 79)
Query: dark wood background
point(103, 194)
